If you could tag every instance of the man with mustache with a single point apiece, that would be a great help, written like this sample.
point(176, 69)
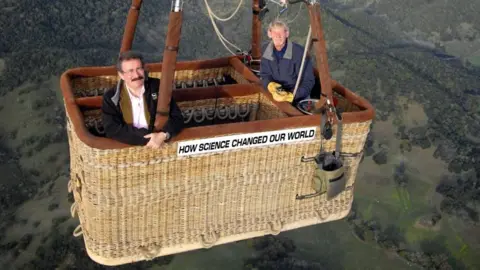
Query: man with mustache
point(280, 66)
point(129, 109)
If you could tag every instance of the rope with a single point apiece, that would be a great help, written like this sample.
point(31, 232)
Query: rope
point(224, 19)
point(294, 18)
point(78, 231)
point(277, 11)
point(209, 239)
point(73, 209)
point(300, 73)
point(76, 187)
point(223, 112)
point(149, 254)
point(256, 71)
point(233, 113)
point(199, 116)
point(275, 227)
point(323, 213)
point(211, 15)
point(222, 117)
point(209, 113)
point(70, 185)
point(247, 111)
point(188, 114)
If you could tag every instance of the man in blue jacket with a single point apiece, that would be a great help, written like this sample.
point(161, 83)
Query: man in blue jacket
point(280, 65)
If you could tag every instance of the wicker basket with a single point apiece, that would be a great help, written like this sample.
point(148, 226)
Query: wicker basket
point(136, 204)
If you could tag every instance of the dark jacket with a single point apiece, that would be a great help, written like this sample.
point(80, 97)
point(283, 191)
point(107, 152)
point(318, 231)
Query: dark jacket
point(286, 70)
point(117, 129)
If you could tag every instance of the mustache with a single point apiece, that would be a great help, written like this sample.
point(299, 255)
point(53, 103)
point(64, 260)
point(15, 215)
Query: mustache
point(137, 79)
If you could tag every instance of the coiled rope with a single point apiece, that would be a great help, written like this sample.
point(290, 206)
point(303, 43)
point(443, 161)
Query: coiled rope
point(222, 112)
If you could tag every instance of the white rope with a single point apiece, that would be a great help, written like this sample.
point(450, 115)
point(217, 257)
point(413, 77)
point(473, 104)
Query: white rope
point(298, 12)
point(223, 112)
point(233, 113)
point(222, 38)
point(188, 114)
point(211, 15)
point(73, 209)
point(220, 110)
point(209, 113)
point(300, 73)
point(199, 115)
point(246, 110)
point(277, 12)
point(78, 231)
point(224, 19)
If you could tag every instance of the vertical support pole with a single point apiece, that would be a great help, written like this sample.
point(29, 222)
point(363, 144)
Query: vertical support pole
point(169, 64)
point(130, 25)
point(320, 50)
point(256, 30)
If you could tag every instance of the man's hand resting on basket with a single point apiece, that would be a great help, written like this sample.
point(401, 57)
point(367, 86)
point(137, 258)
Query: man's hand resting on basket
point(278, 93)
point(156, 139)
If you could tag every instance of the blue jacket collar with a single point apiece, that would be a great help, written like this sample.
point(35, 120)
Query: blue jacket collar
point(268, 54)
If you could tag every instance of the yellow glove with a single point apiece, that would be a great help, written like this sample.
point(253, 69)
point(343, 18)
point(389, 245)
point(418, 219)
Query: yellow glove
point(279, 95)
point(273, 86)
point(283, 96)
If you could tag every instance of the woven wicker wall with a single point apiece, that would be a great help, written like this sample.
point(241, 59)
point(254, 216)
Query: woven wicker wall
point(136, 204)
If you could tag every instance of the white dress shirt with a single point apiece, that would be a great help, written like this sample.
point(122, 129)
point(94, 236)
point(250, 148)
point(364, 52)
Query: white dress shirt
point(138, 110)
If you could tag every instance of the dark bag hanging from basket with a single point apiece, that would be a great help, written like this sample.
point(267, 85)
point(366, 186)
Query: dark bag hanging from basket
point(329, 176)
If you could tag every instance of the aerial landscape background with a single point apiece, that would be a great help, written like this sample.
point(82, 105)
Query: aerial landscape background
point(417, 191)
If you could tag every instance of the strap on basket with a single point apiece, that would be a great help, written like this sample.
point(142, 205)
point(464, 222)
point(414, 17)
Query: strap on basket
point(73, 209)
point(275, 227)
point(209, 239)
point(150, 253)
point(78, 231)
point(323, 213)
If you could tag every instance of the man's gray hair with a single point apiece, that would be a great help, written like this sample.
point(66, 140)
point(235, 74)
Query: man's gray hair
point(278, 23)
point(128, 55)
